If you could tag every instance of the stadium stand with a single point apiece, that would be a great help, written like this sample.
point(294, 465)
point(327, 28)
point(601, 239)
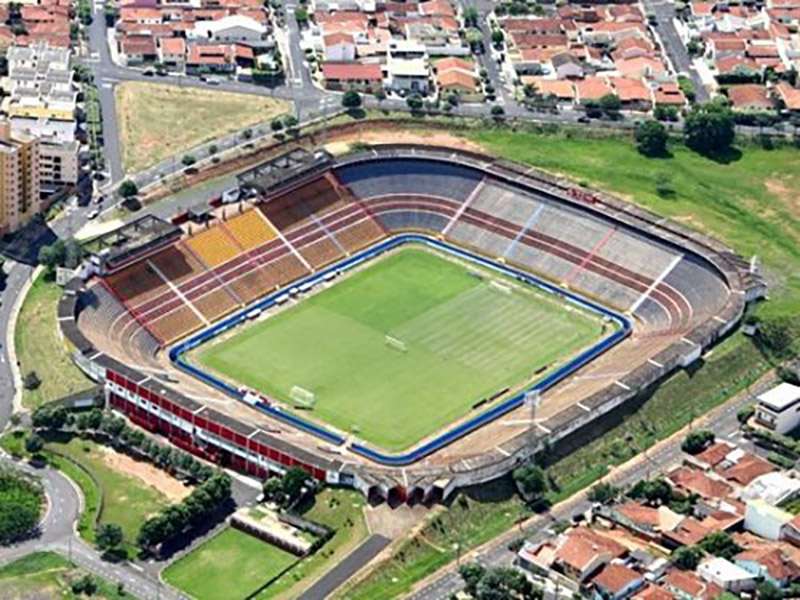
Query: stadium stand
point(296, 207)
point(104, 317)
point(249, 229)
point(175, 325)
point(410, 177)
point(213, 246)
point(136, 283)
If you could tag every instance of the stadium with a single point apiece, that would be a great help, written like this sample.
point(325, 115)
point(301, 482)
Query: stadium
point(405, 320)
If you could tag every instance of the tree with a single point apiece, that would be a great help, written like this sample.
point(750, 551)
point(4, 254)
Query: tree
point(610, 104)
point(498, 37)
point(651, 138)
point(506, 583)
point(301, 15)
point(188, 160)
point(720, 543)
point(472, 573)
point(295, 483)
point(273, 490)
point(471, 17)
point(697, 441)
point(656, 491)
point(84, 585)
point(128, 189)
point(290, 121)
point(498, 112)
point(212, 149)
point(604, 493)
point(380, 95)
point(768, 591)
point(686, 558)
point(31, 380)
point(351, 99)
point(531, 480)
point(50, 418)
point(709, 129)
point(276, 124)
point(778, 335)
point(414, 102)
point(34, 444)
point(108, 537)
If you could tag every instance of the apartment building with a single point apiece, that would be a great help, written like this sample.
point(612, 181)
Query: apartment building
point(19, 178)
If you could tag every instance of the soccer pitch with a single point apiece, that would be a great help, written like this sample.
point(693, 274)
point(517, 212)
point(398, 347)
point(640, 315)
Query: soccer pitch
point(461, 338)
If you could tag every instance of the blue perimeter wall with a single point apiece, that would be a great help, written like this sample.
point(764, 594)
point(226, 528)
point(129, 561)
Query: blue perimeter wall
point(176, 353)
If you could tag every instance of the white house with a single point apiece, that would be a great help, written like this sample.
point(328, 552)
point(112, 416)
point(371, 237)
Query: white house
point(231, 29)
point(339, 47)
point(765, 520)
point(779, 408)
point(408, 75)
point(727, 575)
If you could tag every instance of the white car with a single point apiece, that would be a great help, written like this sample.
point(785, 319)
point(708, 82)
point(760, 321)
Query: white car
point(93, 215)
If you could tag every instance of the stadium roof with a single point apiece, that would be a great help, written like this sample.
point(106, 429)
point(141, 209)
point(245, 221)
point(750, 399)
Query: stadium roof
point(282, 169)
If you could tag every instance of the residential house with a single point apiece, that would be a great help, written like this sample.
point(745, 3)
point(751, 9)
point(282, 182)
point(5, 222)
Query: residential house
point(408, 75)
point(726, 575)
point(172, 53)
point(232, 29)
point(139, 49)
point(566, 66)
point(339, 47)
point(779, 408)
point(789, 97)
point(591, 89)
point(765, 520)
point(363, 77)
point(769, 562)
point(616, 582)
point(688, 586)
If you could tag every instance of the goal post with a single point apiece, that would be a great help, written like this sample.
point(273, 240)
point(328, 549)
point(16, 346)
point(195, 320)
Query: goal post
point(396, 344)
point(303, 396)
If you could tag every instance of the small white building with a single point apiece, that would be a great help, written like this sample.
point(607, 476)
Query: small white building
point(773, 488)
point(779, 408)
point(339, 47)
point(765, 520)
point(231, 29)
point(727, 575)
point(408, 75)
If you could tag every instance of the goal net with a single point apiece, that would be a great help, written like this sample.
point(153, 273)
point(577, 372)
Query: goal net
point(302, 396)
point(397, 344)
point(500, 287)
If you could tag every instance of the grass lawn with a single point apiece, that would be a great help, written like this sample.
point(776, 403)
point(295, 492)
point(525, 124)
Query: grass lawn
point(231, 565)
point(464, 341)
point(750, 203)
point(40, 347)
point(157, 121)
point(126, 501)
point(48, 575)
point(341, 510)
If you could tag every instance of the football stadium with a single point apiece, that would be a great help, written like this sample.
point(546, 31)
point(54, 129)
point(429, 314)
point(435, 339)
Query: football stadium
point(404, 320)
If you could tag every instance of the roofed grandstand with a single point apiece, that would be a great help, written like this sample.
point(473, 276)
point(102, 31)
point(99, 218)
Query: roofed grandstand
point(681, 291)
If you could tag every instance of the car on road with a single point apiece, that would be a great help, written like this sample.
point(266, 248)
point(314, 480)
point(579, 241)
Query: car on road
point(99, 199)
point(93, 215)
point(584, 119)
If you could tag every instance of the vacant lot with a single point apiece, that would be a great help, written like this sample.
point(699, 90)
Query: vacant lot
point(48, 575)
point(157, 121)
point(230, 565)
point(41, 349)
point(457, 338)
point(126, 499)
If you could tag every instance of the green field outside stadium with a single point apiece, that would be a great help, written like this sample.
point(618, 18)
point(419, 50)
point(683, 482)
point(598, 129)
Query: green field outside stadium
point(459, 338)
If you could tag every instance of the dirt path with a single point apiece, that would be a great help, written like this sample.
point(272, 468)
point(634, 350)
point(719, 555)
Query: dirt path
point(147, 473)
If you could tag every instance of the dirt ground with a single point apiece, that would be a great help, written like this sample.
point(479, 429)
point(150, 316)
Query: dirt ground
point(147, 473)
point(339, 143)
point(394, 523)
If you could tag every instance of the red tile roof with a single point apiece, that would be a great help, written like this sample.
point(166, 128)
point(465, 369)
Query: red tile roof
point(691, 585)
point(346, 71)
point(615, 578)
point(653, 592)
point(773, 560)
point(694, 480)
point(749, 466)
point(789, 95)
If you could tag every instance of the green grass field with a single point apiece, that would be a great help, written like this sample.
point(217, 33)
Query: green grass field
point(40, 347)
point(464, 341)
point(123, 499)
point(230, 565)
point(48, 575)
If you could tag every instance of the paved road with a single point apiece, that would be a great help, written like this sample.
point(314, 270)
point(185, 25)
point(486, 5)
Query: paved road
point(351, 564)
point(656, 460)
point(673, 45)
